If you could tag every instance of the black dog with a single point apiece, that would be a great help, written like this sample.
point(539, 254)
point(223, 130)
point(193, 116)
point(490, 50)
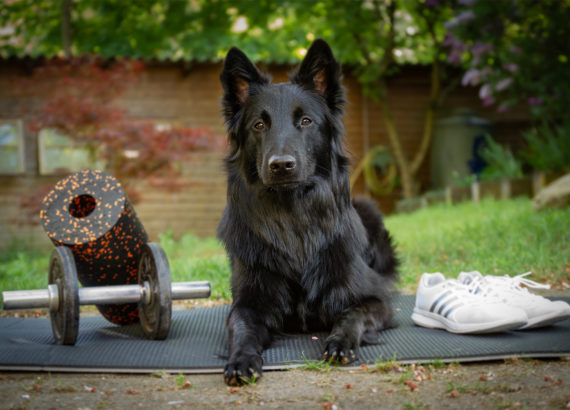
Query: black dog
point(303, 256)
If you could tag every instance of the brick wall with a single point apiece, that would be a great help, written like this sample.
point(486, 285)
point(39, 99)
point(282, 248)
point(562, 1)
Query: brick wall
point(190, 96)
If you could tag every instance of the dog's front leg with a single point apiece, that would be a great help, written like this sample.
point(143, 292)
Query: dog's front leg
point(247, 336)
point(362, 321)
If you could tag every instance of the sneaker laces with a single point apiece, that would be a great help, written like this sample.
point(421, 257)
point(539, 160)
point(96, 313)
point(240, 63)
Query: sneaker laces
point(467, 294)
point(521, 279)
point(493, 286)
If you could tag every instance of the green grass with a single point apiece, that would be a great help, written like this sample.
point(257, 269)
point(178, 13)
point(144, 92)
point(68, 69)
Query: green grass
point(192, 258)
point(318, 365)
point(21, 269)
point(494, 237)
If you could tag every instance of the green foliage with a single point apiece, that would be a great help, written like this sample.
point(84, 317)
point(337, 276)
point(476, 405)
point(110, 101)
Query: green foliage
point(516, 52)
point(110, 28)
point(462, 181)
point(501, 162)
point(548, 147)
point(271, 31)
point(376, 36)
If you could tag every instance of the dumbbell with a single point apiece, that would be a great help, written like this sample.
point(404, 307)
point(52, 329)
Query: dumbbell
point(153, 293)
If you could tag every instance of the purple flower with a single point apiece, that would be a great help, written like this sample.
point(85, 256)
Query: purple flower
point(432, 3)
point(457, 47)
point(449, 40)
point(480, 49)
point(503, 84)
point(503, 108)
point(467, 3)
point(474, 76)
point(534, 101)
point(465, 16)
point(485, 91)
point(471, 77)
point(454, 57)
point(512, 67)
point(488, 101)
point(460, 19)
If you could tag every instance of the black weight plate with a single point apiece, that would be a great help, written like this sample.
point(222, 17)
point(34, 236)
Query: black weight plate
point(155, 314)
point(63, 273)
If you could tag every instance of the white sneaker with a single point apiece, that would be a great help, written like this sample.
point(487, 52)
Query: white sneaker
point(447, 304)
point(539, 310)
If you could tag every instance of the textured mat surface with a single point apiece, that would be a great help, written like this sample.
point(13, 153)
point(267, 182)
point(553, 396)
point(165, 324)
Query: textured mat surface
point(196, 344)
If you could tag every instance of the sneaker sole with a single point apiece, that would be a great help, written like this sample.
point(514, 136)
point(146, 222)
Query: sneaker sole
point(434, 321)
point(544, 320)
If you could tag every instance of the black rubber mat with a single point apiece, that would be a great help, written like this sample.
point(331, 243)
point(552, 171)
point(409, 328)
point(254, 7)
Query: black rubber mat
point(196, 344)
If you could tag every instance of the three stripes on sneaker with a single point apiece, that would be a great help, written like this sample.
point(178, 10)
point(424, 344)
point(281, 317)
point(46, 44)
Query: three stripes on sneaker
point(474, 303)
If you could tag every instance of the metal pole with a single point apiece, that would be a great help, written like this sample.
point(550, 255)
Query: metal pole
point(190, 290)
point(104, 295)
point(96, 295)
point(27, 299)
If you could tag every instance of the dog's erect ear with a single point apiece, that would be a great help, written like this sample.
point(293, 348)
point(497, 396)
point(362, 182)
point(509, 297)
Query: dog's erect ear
point(239, 79)
point(320, 72)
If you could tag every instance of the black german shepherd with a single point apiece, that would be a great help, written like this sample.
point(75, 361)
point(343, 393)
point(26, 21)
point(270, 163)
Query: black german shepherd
point(304, 257)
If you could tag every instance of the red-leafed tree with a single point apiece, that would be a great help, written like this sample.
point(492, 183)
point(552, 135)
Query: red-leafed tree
point(81, 104)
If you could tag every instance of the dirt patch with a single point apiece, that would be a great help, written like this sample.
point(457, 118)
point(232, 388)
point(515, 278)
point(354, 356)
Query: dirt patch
point(508, 384)
point(501, 385)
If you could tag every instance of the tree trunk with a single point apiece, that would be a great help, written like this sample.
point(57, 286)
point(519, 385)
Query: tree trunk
point(429, 119)
point(66, 27)
point(407, 169)
point(403, 163)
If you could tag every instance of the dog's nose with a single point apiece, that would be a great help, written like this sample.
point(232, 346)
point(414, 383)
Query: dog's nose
point(282, 163)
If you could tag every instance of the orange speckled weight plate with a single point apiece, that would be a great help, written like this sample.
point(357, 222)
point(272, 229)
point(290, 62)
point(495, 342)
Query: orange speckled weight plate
point(90, 213)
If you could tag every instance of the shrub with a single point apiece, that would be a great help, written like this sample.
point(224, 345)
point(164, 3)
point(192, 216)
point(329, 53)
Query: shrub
point(548, 147)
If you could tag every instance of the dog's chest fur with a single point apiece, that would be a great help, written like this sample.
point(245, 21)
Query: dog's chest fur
point(293, 229)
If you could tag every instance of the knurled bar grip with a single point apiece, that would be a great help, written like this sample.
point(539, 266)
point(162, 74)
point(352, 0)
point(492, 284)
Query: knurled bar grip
point(94, 295)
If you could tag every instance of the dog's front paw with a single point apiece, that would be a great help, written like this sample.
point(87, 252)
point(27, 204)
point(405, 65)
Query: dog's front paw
point(244, 369)
point(340, 350)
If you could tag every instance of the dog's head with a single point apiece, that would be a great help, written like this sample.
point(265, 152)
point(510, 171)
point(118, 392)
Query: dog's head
point(282, 135)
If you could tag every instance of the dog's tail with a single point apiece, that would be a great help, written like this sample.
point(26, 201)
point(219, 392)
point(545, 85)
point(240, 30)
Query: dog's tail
point(382, 254)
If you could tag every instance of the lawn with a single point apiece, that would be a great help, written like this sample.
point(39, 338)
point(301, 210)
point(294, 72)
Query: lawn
point(494, 237)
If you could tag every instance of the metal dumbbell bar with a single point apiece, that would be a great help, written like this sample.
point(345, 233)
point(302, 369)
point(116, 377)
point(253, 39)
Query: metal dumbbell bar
point(154, 294)
point(99, 295)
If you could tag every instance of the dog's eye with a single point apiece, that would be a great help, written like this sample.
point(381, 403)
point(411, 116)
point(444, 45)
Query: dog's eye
point(306, 121)
point(259, 126)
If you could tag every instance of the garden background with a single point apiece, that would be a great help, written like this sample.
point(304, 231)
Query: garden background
point(458, 110)
point(443, 95)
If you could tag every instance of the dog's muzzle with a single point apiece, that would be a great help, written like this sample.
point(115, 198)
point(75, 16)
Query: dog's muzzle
point(282, 170)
